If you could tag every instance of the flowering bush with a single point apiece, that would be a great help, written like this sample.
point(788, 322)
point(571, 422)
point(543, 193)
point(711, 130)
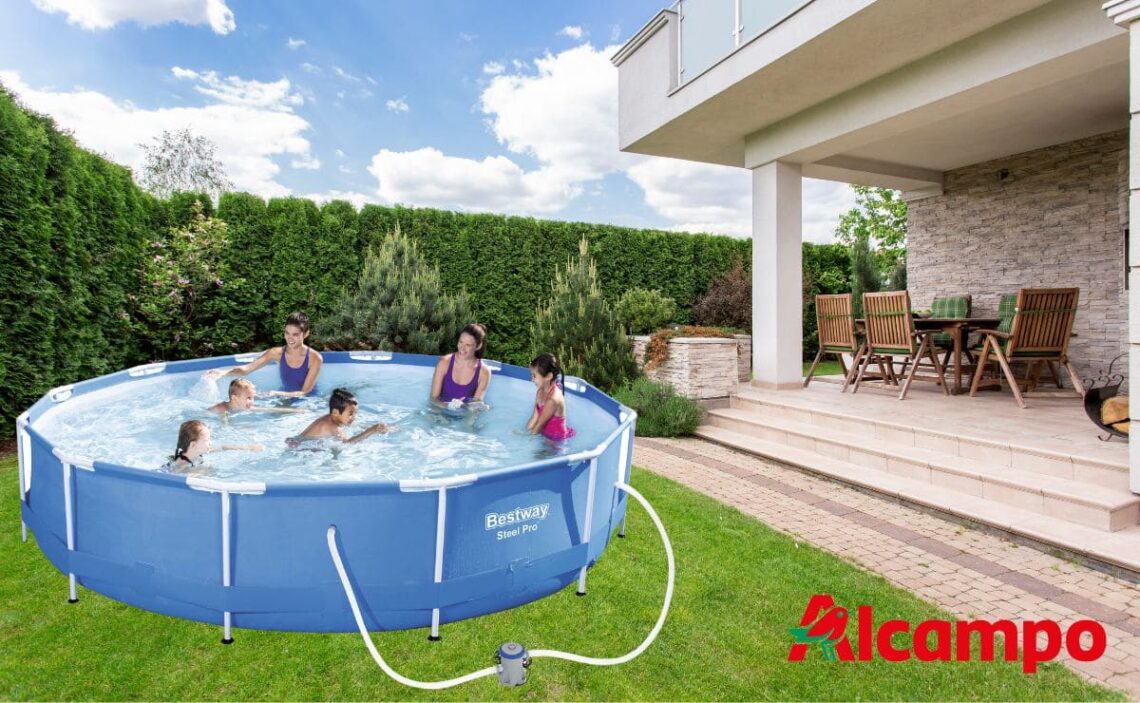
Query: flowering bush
point(183, 305)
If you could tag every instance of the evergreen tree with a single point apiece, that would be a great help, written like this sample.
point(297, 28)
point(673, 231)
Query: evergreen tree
point(397, 305)
point(864, 274)
point(581, 329)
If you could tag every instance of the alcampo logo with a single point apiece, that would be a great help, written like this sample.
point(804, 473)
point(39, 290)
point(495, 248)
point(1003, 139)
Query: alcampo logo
point(824, 625)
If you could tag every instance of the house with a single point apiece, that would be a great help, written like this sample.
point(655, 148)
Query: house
point(1004, 124)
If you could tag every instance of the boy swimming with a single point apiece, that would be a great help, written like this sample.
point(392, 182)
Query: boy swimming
point(342, 413)
point(241, 395)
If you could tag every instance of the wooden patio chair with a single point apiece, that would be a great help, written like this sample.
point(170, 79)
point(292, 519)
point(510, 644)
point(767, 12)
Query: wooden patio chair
point(1038, 334)
point(835, 322)
point(890, 333)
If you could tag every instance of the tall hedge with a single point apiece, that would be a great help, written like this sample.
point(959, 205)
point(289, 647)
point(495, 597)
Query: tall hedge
point(73, 229)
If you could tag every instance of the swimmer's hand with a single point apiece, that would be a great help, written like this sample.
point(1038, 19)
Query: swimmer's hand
point(214, 374)
point(520, 431)
point(244, 447)
point(381, 428)
point(455, 404)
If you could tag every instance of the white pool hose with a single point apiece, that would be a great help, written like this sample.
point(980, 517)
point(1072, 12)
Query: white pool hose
point(535, 654)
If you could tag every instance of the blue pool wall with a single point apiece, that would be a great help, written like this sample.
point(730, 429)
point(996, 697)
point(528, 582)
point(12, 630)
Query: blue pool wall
point(155, 540)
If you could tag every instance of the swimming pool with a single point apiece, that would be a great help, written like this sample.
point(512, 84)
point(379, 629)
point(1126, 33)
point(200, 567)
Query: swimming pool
point(455, 541)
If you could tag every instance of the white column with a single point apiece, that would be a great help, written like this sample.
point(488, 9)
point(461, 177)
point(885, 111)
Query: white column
point(777, 305)
point(1126, 13)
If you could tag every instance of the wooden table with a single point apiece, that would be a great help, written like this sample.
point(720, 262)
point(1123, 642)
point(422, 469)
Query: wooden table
point(958, 329)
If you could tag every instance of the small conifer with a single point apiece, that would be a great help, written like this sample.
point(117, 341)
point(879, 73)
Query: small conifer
point(581, 329)
point(398, 304)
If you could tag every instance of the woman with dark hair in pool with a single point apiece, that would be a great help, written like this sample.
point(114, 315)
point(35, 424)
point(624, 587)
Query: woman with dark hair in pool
point(298, 365)
point(461, 377)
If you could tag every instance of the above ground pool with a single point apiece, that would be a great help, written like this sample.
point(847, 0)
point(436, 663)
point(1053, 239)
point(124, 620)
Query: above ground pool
point(449, 517)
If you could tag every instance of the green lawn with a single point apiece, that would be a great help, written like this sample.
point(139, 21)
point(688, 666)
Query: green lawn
point(740, 586)
point(827, 367)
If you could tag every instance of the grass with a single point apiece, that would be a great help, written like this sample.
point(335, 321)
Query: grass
point(740, 586)
point(827, 367)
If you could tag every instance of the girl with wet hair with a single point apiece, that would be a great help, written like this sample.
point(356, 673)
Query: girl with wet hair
point(549, 417)
point(194, 444)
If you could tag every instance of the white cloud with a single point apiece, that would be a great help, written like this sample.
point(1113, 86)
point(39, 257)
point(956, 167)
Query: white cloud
point(574, 32)
point(467, 36)
point(429, 178)
point(562, 113)
point(615, 32)
point(249, 137)
point(339, 154)
point(697, 197)
point(104, 14)
point(397, 105)
point(307, 162)
point(341, 73)
point(358, 200)
point(295, 43)
point(236, 91)
point(345, 169)
point(310, 68)
point(493, 68)
point(370, 79)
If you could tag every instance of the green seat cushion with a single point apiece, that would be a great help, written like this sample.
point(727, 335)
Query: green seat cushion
point(954, 307)
point(1006, 310)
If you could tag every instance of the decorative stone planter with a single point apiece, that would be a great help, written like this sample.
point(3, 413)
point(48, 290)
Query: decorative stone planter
point(700, 367)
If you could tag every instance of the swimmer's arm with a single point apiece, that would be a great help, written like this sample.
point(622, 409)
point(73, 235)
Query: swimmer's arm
point(437, 381)
point(315, 363)
point(266, 356)
point(378, 428)
point(278, 411)
point(241, 447)
point(484, 381)
point(541, 420)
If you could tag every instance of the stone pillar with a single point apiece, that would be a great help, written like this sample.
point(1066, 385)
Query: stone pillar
point(777, 273)
point(1126, 13)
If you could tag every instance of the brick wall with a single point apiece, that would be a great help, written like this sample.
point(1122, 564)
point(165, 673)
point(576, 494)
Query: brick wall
point(1053, 217)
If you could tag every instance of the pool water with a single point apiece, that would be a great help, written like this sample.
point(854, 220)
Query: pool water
point(136, 424)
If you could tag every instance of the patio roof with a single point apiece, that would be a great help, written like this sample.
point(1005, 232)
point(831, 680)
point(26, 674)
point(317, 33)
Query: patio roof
point(888, 92)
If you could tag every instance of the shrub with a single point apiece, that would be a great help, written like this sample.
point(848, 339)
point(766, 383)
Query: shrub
point(728, 301)
point(578, 325)
point(657, 351)
point(181, 307)
point(642, 311)
point(660, 411)
point(398, 304)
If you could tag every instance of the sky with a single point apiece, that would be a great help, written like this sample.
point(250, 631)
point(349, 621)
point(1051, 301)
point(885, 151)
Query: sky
point(492, 106)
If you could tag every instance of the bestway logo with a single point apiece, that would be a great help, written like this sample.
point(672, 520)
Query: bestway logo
point(493, 521)
point(824, 625)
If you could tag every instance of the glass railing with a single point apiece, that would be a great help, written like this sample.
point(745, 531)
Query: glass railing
point(712, 29)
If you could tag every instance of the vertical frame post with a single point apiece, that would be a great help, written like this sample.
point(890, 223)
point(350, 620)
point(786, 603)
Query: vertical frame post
point(69, 517)
point(227, 616)
point(440, 525)
point(586, 529)
point(23, 455)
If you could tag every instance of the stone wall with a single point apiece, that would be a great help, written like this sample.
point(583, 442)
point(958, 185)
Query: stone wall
point(1053, 217)
point(698, 367)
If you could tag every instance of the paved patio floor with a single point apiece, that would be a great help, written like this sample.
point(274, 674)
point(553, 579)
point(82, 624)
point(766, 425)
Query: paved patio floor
point(970, 573)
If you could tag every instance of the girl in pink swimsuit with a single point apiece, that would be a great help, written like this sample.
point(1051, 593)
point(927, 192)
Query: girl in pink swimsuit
point(549, 417)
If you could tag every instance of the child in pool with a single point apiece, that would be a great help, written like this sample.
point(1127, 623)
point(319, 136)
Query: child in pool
point(549, 417)
point(241, 399)
point(298, 365)
point(194, 444)
point(342, 413)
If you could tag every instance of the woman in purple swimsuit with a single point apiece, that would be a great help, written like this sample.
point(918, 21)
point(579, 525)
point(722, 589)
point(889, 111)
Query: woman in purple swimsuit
point(461, 375)
point(298, 364)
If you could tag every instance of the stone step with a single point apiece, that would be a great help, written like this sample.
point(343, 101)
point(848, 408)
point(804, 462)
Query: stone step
point(1120, 548)
point(1093, 505)
point(1114, 474)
